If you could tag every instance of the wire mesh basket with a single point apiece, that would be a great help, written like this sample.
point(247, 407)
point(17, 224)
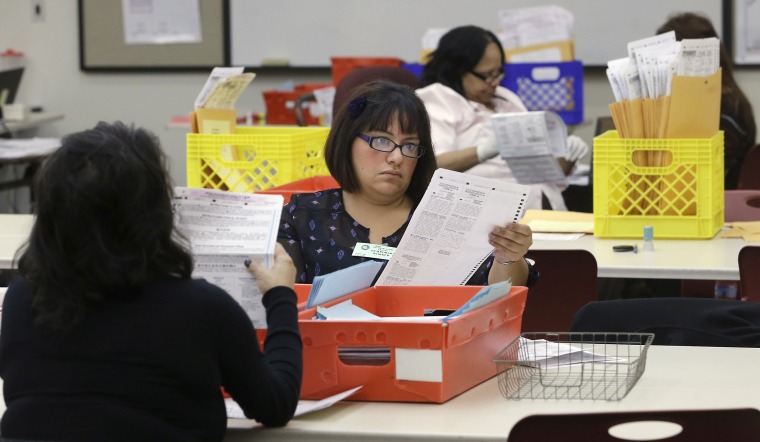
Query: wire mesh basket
point(548, 365)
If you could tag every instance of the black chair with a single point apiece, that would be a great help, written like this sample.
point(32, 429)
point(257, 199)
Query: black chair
point(676, 321)
point(749, 174)
point(566, 283)
point(739, 424)
point(749, 276)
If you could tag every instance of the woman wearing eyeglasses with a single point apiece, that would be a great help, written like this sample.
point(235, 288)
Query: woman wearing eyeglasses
point(462, 91)
point(379, 150)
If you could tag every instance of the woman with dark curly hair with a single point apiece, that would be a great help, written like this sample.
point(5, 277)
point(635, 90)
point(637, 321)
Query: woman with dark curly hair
point(737, 120)
point(105, 335)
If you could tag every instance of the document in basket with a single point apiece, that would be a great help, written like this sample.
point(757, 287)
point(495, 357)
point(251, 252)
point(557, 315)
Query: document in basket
point(447, 238)
point(224, 229)
point(530, 143)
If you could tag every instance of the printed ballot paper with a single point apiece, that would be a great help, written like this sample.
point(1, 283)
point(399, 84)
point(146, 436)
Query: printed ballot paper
point(530, 143)
point(447, 238)
point(224, 229)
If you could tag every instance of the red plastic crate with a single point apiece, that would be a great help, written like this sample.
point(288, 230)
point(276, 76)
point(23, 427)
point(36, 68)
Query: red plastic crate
point(457, 356)
point(343, 65)
point(306, 185)
point(280, 105)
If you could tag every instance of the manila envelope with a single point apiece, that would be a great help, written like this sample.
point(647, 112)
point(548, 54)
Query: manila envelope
point(565, 49)
point(558, 221)
point(694, 106)
point(694, 113)
point(216, 121)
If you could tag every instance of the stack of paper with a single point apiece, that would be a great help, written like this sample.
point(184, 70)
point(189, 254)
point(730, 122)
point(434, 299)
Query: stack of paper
point(531, 142)
point(666, 89)
point(537, 34)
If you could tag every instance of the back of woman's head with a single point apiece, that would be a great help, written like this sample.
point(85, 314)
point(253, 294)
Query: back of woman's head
point(378, 105)
point(104, 223)
point(689, 25)
point(458, 52)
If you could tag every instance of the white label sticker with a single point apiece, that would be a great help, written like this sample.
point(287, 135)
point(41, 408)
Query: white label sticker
point(376, 251)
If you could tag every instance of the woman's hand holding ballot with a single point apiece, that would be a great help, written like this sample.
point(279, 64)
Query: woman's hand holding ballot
point(510, 244)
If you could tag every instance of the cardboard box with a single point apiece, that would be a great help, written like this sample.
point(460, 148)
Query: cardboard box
point(546, 52)
point(407, 360)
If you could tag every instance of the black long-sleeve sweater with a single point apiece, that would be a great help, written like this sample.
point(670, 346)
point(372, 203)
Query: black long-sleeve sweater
point(148, 367)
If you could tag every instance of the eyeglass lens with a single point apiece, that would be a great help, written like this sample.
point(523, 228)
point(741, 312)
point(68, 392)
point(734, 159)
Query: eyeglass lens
point(385, 145)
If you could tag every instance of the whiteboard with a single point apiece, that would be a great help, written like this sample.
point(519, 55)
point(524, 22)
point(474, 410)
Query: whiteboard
point(306, 33)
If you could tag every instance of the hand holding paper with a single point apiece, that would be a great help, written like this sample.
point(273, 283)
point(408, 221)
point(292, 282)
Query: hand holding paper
point(487, 148)
point(282, 273)
point(576, 148)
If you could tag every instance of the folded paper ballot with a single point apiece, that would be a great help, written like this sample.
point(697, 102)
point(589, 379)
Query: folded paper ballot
point(487, 294)
point(334, 285)
point(346, 310)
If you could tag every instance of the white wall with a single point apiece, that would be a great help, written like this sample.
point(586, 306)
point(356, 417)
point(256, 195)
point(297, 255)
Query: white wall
point(53, 80)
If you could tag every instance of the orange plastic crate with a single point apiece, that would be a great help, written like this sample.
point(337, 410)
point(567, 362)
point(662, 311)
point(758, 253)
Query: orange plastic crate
point(306, 185)
point(343, 65)
point(460, 352)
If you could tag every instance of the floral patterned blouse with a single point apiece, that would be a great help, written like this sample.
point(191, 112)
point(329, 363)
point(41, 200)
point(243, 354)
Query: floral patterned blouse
point(320, 237)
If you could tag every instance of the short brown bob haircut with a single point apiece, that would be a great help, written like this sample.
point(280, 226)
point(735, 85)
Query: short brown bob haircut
point(376, 106)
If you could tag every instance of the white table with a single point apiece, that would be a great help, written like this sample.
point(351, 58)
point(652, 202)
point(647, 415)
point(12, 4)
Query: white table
point(32, 121)
point(14, 231)
point(716, 258)
point(676, 378)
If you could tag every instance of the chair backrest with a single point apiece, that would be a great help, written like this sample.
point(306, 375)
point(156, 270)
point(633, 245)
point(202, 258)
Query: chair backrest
point(705, 322)
point(742, 205)
point(364, 75)
point(749, 273)
point(749, 174)
point(603, 124)
point(567, 281)
point(737, 424)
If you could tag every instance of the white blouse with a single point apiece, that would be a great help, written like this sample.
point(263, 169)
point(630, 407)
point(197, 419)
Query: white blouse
point(458, 123)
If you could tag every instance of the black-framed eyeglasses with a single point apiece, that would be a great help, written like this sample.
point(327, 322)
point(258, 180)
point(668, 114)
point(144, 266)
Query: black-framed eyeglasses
point(491, 76)
point(384, 144)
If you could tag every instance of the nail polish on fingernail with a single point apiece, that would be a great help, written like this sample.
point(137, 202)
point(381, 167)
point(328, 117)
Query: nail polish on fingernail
point(247, 262)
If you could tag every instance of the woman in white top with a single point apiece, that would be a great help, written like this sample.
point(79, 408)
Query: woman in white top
point(462, 91)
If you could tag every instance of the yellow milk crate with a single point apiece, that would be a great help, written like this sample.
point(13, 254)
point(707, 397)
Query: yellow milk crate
point(255, 158)
point(674, 185)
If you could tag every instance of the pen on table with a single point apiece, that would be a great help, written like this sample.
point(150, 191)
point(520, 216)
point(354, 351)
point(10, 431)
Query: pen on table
point(635, 249)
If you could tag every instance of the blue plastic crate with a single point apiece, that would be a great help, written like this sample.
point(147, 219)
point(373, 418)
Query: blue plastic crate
point(556, 87)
